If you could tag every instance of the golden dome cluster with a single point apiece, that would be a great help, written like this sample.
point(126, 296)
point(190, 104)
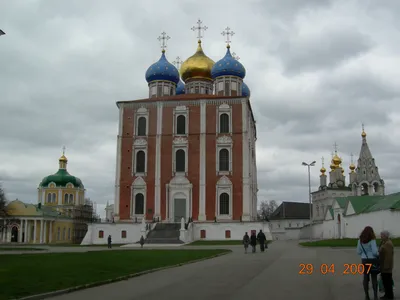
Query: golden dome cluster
point(198, 66)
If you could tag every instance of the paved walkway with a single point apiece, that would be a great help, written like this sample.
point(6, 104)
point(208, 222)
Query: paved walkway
point(271, 275)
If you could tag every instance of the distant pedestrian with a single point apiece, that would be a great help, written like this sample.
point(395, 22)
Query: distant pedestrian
point(109, 241)
point(386, 264)
point(368, 250)
point(246, 242)
point(141, 241)
point(261, 238)
point(253, 241)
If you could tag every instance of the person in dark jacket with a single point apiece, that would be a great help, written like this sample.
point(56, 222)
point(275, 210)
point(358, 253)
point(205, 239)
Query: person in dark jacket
point(386, 264)
point(109, 241)
point(253, 241)
point(246, 242)
point(141, 241)
point(261, 239)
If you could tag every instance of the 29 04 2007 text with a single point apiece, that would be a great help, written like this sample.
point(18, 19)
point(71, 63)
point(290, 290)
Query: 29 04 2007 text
point(324, 269)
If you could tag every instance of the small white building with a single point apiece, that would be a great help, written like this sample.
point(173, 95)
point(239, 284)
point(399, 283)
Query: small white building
point(287, 220)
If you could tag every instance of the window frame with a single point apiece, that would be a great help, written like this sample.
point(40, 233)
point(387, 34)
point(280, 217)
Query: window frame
point(224, 109)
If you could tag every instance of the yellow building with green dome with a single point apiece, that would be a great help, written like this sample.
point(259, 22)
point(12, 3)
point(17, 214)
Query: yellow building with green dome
point(60, 215)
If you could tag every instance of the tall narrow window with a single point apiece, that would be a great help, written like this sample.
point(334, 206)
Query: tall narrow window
point(71, 198)
point(224, 204)
point(227, 88)
point(58, 233)
point(180, 161)
point(181, 125)
point(63, 235)
point(224, 123)
point(159, 91)
point(171, 91)
point(140, 162)
point(141, 131)
point(66, 199)
point(139, 204)
point(49, 198)
point(196, 90)
point(224, 160)
point(53, 198)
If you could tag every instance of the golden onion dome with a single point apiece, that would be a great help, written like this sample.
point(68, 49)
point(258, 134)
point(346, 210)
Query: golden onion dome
point(63, 158)
point(352, 167)
point(336, 160)
point(363, 134)
point(198, 66)
point(323, 170)
point(333, 166)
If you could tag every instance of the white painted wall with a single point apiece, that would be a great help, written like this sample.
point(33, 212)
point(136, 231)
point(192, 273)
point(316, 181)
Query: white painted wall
point(354, 224)
point(133, 233)
point(216, 231)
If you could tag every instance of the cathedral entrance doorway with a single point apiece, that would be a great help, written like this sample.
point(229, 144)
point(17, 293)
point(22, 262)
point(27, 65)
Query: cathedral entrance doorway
point(14, 234)
point(179, 209)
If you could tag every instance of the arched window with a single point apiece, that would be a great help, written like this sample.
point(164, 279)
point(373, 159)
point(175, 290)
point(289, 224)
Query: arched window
point(181, 125)
point(71, 198)
point(53, 197)
point(48, 198)
point(66, 199)
point(180, 161)
point(224, 204)
point(139, 204)
point(140, 161)
point(224, 123)
point(141, 131)
point(58, 233)
point(224, 160)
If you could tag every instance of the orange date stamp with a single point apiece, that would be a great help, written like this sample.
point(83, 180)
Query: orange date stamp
point(324, 269)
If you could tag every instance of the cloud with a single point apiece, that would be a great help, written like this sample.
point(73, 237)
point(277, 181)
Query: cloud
point(317, 69)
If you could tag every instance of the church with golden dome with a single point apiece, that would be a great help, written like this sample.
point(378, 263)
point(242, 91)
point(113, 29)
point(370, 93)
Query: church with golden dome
point(187, 152)
point(364, 179)
point(60, 215)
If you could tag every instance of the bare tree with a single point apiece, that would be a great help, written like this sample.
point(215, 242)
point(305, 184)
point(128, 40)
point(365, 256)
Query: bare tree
point(3, 202)
point(267, 208)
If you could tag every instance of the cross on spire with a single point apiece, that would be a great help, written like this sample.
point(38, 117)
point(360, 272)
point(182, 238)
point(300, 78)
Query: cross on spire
point(228, 33)
point(199, 29)
point(163, 38)
point(63, 148)
point(362, 125)
point(351, 155)
point(234, 56)
point(177, 63)
point(335, 147)
point(322, 159)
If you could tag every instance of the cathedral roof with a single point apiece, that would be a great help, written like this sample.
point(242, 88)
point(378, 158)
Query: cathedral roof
point(366, 163)
point(228, 66)
point(291, 210)
point(245, 90)
point(198, 66)
point(61, 178)
point(162, 70)
point(180, 89)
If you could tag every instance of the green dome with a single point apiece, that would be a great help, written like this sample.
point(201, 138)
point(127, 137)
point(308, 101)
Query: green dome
point(61, 179)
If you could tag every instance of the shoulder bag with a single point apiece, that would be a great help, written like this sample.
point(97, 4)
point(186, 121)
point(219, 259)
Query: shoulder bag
point(375, 268)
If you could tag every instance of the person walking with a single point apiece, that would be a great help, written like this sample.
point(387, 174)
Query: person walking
point(253, 241)
point(368, 250)
point(109, 241)
point(141, 241)
point(261, 239)
point(246, 242)
point(386, 263)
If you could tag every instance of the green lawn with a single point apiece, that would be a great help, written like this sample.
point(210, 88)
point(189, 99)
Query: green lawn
point(20, 249)
point(30, 274)
point(217, 243)
point(341, 243)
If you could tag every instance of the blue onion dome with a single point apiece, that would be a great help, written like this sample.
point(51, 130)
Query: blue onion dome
point(228, 66)
point(162, 70)
point(245, 90)
point(180, 89)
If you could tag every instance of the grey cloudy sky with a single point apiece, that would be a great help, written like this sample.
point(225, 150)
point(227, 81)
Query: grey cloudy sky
point(317, 69)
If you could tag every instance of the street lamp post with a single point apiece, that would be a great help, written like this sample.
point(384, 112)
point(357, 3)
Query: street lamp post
point(309, 187)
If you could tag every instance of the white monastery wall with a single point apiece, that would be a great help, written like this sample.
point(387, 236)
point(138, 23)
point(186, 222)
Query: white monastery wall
point(133, 233)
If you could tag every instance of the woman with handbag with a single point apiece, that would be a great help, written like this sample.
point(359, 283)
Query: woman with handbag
point(368, 250)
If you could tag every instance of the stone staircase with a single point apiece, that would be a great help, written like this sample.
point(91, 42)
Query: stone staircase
point(164, 234)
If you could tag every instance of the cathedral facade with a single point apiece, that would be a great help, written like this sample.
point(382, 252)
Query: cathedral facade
point(188, 150)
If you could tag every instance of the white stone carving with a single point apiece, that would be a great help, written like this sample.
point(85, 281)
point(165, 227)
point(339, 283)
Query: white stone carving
point(224, 106)
point(224, 181)
point(224, 140)
point(180, 141)
point(139, 181)
point(181, 108)
point(179, 180)
point(142, 110)
point(140, 142)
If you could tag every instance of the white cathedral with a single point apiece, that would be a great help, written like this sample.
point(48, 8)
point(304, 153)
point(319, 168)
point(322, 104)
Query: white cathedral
point(342, 210)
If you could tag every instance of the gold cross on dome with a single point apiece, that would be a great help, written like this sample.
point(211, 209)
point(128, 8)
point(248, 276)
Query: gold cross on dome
point(322, 159)
point(63, 148)
point(335, 147)
point(177, 63)
point(228, 33)
point(235, 56)
point(199, 29)
point(351, 155)
point(163, 38)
